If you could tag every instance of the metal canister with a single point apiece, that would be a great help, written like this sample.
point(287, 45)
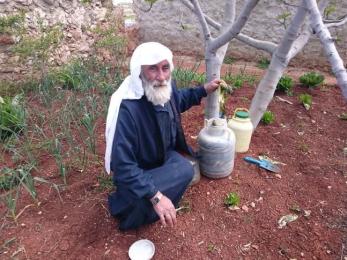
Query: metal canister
point(216, 149)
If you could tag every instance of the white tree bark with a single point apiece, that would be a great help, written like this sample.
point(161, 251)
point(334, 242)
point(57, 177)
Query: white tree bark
point(279, 62)
point(329, 47)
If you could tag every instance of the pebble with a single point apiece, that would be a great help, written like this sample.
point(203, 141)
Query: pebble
point(261, 192)
point(208, 193)
point(255, 247)
point(244, 208)
point(278, 176)
point(40, 212)
point(252, 204)
point(329, 187)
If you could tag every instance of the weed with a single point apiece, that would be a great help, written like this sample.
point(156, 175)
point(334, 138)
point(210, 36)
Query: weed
point(211, 248)
point(232, 199)
point(268, 117)
point(228, 60)
point(105, 183)
point(285, 84)
point(12, 116)
point(303, 147)
point(186, 77)
point(306, 100)
point(238, 80)
point(12, 23)
point(311, 79)
point(263, 63)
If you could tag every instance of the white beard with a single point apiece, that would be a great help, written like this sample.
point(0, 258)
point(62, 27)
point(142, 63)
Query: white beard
point(156, 92)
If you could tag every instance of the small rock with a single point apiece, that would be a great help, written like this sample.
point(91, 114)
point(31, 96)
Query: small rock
point(345, 151)
point(65, 217)
point(23, 225)
point(302, 254)
point(307, 213)
point(40, 212)
point(313, 121)
point(255, 247)
point(278, 176)
point(261, 192)
point(260, 199)
point(245, 208)
point(329, 187)
point(208, 193)
point(233, 208)
point(328, 252)
point(252, 204)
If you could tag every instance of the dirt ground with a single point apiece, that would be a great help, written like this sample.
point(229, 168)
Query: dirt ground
point(312, 184)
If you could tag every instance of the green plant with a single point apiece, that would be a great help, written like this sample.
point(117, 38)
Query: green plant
point(306, 100)
point(186, 77)
point(238, 80)
point(285, 84)
point(263, 63)
point(232, 199)
point(105, 183)
point(228, 60)
point(284, 18)
point(311, 79)
point(12, 116)
point(10, 24)
point(268, 117)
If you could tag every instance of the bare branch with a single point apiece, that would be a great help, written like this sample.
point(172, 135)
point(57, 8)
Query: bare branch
point(237, 26)
point(202, 20)
point(335, 23)
point(229, 13)
point(267, 46)
point(305, 35)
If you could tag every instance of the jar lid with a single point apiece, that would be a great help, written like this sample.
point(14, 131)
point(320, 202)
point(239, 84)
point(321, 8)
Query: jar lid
point(242, 114)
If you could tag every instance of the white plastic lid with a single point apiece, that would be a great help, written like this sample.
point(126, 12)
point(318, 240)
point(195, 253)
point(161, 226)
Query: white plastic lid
point(142, 249)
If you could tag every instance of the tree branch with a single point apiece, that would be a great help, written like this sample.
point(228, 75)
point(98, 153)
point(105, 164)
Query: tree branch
point(237, 26)
point(335, 23)
point(267, 46)
point(202, 20)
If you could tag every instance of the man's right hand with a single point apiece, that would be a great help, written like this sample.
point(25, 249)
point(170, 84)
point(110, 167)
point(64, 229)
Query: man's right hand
point(165, 210)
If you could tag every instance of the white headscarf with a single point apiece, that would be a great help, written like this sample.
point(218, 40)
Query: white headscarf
point(148, 53)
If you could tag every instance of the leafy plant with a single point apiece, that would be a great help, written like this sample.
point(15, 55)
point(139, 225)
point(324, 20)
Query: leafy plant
point(306, 100)
point(232, 199)
point(311, 79)
point(285, 84)
point(12, 116)
point(268, 117)
point(263, 63)
point(105, 183)
point(238, 80)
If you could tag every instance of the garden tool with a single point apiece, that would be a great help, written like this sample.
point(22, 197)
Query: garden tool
point(263, 164)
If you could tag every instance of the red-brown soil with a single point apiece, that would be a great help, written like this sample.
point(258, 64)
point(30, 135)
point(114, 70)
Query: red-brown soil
point(313, 177)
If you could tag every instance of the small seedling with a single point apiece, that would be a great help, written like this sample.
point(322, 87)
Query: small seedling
point(268, 117)
point(232, 199)
point(311, 79)
point(12, 116)
point(263, 63)
point(306, 100)
point(285, 84)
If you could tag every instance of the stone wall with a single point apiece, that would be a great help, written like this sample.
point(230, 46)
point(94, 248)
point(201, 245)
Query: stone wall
point(171, 23)
point(76, 19)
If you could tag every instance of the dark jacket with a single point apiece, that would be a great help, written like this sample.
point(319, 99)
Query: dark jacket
point(138, 147)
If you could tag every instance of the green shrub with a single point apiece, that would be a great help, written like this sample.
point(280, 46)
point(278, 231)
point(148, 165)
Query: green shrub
point(285, 84)
point(186, 77)
point(311, 79)
point(306, 100)
point(232, 199)
point(268, 117)
point(263, 63)
point(12, 116)
point(238, 80)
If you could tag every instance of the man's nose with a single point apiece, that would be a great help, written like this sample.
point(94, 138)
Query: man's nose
point(161, 75)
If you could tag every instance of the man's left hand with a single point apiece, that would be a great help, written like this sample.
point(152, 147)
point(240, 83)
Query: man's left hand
point(213, 85)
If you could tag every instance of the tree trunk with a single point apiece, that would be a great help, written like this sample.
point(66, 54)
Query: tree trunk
point(329, 47)
point(278, 64)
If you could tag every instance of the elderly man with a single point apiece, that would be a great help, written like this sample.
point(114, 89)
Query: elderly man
point(145, 140)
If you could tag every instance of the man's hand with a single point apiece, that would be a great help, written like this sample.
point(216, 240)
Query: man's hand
point(166, 211)
point(213, 85)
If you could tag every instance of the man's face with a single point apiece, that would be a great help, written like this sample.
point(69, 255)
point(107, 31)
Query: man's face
point(158, 72)
point(156, 81)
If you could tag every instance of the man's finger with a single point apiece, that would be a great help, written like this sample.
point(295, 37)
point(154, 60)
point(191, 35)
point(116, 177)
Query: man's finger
point(169, 219)
point(162, 220)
